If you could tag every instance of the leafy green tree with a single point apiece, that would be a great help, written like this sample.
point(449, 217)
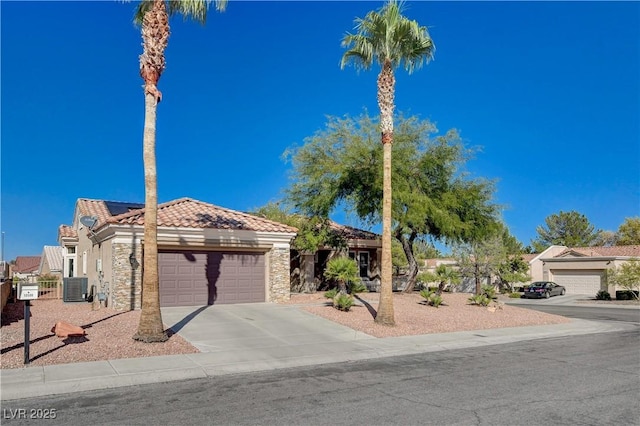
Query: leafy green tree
point(511, 268)
point(433, 200)
point(443, 275)
point(479, 260)
point(313, 231)
point(422, 250)
point(605, 239)
point(626, 276)
point(398, 257)
point(571, 229)
point(153, 17)
point(343, 270)
point(629, 232)
point(389, 39)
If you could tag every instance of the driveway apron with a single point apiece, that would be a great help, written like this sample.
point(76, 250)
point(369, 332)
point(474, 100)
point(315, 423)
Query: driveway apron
point(251, 326)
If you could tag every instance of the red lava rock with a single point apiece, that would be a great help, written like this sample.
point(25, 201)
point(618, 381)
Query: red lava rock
point(64, 329)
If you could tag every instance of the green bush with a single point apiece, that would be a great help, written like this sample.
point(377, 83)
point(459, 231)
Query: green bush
point(626, 295)
point(426, 294)
point(330, 294)
point(515, 295)
point(489, 291)
point(357, 286)
point(480, 300)
point(603, 295)
point(343, 302)
point(435, 300)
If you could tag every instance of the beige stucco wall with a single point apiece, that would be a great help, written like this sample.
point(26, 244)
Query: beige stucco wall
point(536, 265)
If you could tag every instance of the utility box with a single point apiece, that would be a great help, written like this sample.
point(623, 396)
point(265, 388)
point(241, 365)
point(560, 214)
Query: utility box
point(75, 289)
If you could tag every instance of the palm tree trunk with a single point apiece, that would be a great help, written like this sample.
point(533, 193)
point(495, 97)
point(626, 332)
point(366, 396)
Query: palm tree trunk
point(386, 83)
point(150, 328)
point(155, 33)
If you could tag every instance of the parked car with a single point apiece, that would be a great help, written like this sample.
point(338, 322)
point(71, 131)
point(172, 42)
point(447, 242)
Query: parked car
point(544, 289)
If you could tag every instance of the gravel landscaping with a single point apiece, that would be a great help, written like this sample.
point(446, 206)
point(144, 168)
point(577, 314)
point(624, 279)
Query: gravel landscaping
point(109, 333)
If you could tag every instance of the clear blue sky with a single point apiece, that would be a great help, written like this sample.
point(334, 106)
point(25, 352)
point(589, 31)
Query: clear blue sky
point(549, 89)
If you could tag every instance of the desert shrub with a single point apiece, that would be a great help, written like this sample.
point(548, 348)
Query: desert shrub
point(603, 295)
point(515, 295)
point(489, 291)
point(431, 296)
point(426, 294)
point(357, 286)
point(435, 300)
point(330, 294)
point(343, 302)
point(479, 299)
point(627, 295)
point(343, 270)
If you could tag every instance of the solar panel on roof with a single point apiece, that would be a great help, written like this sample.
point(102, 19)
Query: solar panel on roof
point(115, 207)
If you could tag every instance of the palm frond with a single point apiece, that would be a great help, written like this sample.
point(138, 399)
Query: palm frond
point(194, 9)
point(386, 34)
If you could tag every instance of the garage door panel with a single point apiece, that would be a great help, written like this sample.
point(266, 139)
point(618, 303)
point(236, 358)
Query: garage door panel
point(186, 279)
point(586, 282)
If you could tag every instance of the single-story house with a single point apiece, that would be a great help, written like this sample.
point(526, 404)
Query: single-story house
point(51, 262)
point(364, 247)
point(26, 268)
point(206, 254)
point(583, 270)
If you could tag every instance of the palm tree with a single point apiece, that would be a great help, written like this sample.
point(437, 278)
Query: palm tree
point(391, 40)
point(343, 270)
point(153, 17)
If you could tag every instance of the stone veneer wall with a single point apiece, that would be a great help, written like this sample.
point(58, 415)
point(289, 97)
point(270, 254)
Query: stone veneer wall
point(126, 287)
point(279, 275)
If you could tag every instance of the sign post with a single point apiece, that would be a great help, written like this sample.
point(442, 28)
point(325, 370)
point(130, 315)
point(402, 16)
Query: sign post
point(27, 292)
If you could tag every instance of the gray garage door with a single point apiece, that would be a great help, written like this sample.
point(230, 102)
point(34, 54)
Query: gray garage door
point(579, 282)
point(207, 278)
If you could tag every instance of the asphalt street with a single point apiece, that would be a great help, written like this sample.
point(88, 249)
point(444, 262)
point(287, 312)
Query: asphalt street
point(577, 380)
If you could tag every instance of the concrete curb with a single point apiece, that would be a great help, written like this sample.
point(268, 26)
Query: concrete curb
point(33, 382)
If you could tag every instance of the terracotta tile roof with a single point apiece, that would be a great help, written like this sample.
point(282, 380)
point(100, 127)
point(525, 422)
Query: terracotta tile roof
point(528, 257)
point(631, 251)
point(26, 264)
point(190, 213)
point(97, 208)
point(65, 231)
point(352, 233)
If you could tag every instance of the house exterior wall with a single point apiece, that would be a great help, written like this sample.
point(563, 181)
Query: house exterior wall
point(125, 289)
point(536, 265)
point(278, 274)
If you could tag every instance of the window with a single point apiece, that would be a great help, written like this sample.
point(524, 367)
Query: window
point(363, 263)
point(71, 250)
point(70, 269)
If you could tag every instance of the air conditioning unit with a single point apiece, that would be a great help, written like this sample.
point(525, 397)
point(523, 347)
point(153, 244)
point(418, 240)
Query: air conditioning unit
point(75, 289)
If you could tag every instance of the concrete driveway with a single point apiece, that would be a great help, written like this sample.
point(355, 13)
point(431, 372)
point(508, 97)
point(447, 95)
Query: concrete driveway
point(251, 326)
point(567, 299)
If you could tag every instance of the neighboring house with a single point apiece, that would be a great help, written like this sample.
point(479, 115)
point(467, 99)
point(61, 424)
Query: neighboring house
point(206, 254)
point(582, 270)
point(26, 268)
point(51, 262)
point(536, 265)
point(307, 269)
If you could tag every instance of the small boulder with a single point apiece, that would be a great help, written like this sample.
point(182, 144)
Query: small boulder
point(64, 329)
